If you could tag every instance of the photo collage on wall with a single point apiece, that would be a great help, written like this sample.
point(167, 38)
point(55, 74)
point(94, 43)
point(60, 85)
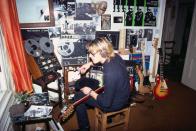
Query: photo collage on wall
point(138, 12)
point(139, 42)
point(78, 21)
point(134, 36)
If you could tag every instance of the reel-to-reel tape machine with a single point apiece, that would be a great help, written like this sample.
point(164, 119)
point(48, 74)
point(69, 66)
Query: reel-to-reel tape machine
point(72, 52)
point(40, 57)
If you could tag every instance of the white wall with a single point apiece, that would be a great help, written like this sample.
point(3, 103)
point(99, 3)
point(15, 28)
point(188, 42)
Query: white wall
point(189, 72)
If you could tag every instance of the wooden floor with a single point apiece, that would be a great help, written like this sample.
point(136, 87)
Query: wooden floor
point(175, 113)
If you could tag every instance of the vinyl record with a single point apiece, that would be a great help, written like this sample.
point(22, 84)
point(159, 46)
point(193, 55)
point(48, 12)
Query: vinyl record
point(32, 48)
point(65, 48)
point(46, 45)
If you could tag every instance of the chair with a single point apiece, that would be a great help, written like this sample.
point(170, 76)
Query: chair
point(46, 80)
point(168, 54)
point(168, 51)
point(115, 119)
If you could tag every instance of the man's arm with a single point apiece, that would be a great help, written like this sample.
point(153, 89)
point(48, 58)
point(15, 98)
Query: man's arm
point(85, 67)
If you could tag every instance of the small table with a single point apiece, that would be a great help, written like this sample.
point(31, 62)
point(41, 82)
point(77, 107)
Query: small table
point(18, 119)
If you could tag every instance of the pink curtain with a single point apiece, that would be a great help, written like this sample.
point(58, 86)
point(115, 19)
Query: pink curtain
point(11, 30)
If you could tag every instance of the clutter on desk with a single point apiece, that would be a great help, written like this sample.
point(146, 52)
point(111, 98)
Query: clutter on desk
point(39, 99)
point(38, 111)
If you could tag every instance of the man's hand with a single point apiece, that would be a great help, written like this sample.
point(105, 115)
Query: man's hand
point(86, 90)
point(85, 67)
point(89, 91)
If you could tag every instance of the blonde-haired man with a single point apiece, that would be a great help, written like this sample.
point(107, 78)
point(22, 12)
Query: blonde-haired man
point(116, 82)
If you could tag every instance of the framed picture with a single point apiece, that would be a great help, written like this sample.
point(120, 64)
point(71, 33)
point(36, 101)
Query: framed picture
point(112, 36)
point(36, 13)
point(106, 22)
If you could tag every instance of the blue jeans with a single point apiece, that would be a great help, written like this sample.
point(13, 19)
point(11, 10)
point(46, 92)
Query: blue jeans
point(81, 110)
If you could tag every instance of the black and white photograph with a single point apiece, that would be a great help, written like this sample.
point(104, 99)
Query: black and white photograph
point(84, 11)
point(148, 33)
point(54, 32)
point(116, 6)
point(129, 16)
point(139, 12)
point(37, 10)
point(141, 47)
point(66, 7)
point(131, 38)
point(139, 2)
point(140, 33)
point(150, 16)
point(118, 19)
point(68, 27)
point(63, 10)
point(152, 3)
point(112, 36)
point(84, 28)
point(106, 22)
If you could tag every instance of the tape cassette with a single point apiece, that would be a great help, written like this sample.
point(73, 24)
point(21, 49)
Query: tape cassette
point(72, 52)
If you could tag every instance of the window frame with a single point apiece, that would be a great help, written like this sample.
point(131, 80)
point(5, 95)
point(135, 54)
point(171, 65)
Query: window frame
point(6, 84)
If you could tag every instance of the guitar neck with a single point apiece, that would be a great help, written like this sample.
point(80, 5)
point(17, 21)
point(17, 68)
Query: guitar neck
point(98, 90)
point(143, 57)
point(154, 63)
point(161, 68)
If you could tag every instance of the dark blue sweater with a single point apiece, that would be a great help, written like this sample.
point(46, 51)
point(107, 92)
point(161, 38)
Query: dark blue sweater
point(116, 85)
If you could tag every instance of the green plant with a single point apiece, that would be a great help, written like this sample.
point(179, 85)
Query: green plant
point(22, 97)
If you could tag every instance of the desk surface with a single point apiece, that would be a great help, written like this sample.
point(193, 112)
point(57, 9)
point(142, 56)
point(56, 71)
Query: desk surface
point(17, 115)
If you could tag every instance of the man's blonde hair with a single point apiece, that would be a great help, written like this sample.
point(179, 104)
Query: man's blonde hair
point(103, 46)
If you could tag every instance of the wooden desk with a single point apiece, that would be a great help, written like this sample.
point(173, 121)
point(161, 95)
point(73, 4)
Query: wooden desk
point(19, 120)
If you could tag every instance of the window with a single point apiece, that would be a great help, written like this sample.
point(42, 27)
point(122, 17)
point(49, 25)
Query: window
point(6, 84)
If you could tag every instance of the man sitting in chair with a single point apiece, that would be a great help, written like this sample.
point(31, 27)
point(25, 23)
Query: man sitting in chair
point(116, 82)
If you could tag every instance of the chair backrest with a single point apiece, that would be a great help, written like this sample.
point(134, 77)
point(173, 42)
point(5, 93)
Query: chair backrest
point(168, 50)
